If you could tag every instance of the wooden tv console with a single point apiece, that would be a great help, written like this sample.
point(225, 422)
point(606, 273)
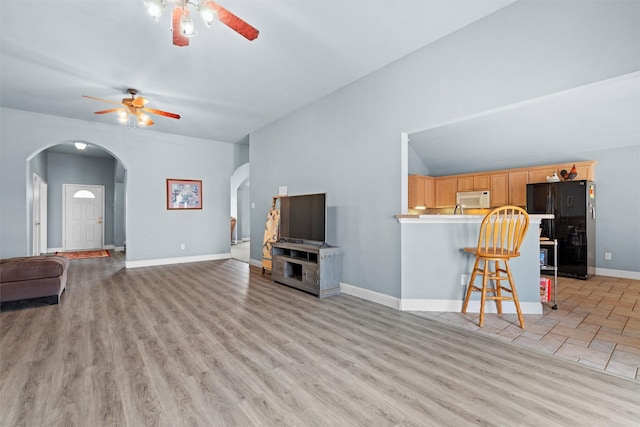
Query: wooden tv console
point(312, 268)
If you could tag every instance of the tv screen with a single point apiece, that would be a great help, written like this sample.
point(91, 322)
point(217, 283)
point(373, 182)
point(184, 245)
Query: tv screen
point(302, 218)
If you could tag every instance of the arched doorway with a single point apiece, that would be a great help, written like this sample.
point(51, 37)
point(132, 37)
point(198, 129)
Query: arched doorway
point(62, 163)
point(240, 213)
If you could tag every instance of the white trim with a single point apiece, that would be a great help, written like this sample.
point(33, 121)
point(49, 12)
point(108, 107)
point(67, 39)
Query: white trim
point(179, 260)
point(368, 295)
point(255, 263)
point(474, 306)
point(623, 274)
point(54, 250)
point(118, 248)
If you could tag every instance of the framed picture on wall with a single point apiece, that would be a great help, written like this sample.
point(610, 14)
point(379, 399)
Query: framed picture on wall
point(184, 194)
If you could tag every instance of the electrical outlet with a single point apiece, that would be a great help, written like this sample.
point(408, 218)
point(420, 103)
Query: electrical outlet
point(464, 279)
point(182, 246)
point(607, 256)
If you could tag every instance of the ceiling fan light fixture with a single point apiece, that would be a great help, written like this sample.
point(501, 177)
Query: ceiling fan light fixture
point(187, 28)
point(143, 119)
point(80, 145)
point(208, 14)
point(155, 8)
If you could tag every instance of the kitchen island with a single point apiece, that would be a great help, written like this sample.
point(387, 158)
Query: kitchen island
point(433, 264)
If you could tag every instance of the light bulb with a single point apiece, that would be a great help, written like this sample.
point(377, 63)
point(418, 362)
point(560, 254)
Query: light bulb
point(80, 145)
point(155, 8)
point(142, 120)
point(123, 119)
point(187, 28)
point(122, 114)
point(208, 14)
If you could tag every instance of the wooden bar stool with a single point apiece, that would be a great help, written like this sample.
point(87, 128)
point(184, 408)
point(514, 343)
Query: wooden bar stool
point(501, 233)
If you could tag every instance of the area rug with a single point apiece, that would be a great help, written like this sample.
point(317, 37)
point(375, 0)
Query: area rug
point(84, 254)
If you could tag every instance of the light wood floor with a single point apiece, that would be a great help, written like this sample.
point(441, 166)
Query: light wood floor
point(217, 344)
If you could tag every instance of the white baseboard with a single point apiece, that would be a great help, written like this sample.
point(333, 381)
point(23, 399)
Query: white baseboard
point(623, 274)
point(474, 306)
point(119, 248)
point(435, 305)
point(179, 260)
point(372, 296)
point(255, 263)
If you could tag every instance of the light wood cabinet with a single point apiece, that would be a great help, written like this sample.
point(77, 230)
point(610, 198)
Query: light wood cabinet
point(481, 182)
point(474, 183)
point(465, 183)
point(518, 188)
point(421, 192)
point(499, 189)
point(508, 186)
point(416, 191)
point(446, 189)
point(429, 192)
point(541, 174)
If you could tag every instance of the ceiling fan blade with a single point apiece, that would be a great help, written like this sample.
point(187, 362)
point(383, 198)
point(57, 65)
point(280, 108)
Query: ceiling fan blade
point(113, 110)
point(232, 21)
point(139, 102)
point(103, 100)
point(178, 39)
point(161, 113)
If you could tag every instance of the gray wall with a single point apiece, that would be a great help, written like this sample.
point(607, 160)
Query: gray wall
point(348, 143)
point(244, 213)
point(72, 169)
point(153, 232)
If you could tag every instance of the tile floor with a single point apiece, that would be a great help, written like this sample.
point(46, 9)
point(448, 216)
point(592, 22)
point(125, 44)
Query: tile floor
point(597, 324)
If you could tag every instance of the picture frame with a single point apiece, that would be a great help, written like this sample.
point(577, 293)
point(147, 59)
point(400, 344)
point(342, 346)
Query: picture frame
point(184, 194)
point(543, 257)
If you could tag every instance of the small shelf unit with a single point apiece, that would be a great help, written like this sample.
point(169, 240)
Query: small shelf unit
point(311, 268)
point(551, 269)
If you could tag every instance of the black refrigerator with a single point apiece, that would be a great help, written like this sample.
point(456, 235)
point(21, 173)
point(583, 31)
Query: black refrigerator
point(573, 204)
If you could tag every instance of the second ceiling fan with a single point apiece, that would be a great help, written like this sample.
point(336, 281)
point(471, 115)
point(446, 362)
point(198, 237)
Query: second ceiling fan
point(182, 26)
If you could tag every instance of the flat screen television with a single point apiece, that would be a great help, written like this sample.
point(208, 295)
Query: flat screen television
point(303, 218)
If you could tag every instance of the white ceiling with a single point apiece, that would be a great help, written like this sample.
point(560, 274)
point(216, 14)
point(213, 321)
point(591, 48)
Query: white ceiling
point(598, 116)
point(54, 51)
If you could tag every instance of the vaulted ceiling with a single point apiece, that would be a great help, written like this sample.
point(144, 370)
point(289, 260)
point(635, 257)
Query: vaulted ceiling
point(225, 87)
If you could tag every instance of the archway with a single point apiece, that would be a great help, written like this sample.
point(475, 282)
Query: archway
point(61, 162)
point(241, 212)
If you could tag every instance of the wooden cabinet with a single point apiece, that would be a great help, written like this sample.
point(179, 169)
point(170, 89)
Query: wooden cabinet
point(518, 188)
point(508, 186)
point(465, 183)
point(311, 268)
point(421, 192)
point(474, 183)
point(416, 191)
point(481, 182)
point(446, 189)
point(541, 174)
point(499, 189)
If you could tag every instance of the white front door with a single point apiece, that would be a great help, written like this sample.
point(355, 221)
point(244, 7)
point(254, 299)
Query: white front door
point(83, 217)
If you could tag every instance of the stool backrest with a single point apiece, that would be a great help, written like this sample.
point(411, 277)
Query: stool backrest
point(502, 231)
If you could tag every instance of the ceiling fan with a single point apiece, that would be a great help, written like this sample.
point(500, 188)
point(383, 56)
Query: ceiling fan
point(134, 107)
point(210, 11)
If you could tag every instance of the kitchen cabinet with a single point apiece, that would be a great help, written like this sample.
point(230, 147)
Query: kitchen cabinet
point(518, 188)
point(465, 183)
point(499, 189)
point(421, 192)
point(481, 182)
point(446, 189)
point(474, 183)
point(541, 174)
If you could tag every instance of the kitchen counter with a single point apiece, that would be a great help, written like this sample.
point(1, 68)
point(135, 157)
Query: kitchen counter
point(433, 262)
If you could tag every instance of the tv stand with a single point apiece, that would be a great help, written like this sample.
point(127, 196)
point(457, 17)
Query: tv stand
point(311, 268)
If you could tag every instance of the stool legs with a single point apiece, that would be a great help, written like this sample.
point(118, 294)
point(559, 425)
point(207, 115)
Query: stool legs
point(497, 276)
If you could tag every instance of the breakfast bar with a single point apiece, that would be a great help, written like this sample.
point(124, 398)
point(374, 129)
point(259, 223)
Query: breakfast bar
point(435, 269)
